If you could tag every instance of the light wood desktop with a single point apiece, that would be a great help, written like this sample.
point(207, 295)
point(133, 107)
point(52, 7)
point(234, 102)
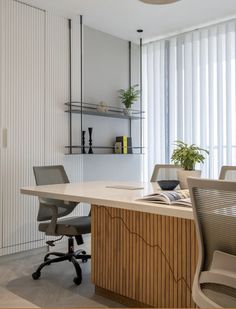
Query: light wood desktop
point(142, 254)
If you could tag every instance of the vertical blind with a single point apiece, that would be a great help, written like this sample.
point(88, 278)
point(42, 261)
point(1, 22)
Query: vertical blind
point(190, 95)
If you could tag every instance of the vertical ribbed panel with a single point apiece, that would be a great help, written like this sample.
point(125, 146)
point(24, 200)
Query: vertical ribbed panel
point(143, 260)
point(23, 117)
point(57, 93)
point(34, 85)
point(57, 88)
point(1, 75)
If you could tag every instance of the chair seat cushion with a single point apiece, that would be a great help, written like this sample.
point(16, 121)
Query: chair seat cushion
point(223, 296)
point(70, 226)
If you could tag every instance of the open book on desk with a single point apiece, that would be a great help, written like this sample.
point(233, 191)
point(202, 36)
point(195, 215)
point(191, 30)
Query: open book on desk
point(180, 197)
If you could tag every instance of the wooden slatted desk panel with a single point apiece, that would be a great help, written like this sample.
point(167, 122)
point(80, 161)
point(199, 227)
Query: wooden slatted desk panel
point(143, 259)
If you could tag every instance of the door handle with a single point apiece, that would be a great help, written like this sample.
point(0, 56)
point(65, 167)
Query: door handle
point(4, 138)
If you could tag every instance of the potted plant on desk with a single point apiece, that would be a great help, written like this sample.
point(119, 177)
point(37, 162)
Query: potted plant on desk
point(128, 97)
point(187, 156)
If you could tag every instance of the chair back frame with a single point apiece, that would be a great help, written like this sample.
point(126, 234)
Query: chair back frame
point(224, 170)
point(52, 209)
point(157, 167)
point(195, 183)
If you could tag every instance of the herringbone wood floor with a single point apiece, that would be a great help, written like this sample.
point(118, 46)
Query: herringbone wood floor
point(54, 289)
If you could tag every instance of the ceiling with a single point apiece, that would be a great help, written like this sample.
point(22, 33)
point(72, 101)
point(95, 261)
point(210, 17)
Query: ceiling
point(122, 18)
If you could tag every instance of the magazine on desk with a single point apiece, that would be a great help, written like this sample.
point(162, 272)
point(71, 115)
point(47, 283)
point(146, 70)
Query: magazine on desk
point(179, 197)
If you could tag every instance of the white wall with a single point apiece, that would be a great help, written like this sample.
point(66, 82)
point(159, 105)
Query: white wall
point(34, 84)
point(106, 70)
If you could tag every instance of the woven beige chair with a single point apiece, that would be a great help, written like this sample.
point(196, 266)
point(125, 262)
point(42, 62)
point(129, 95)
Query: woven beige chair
point(165, 172)
point(214, 206)
point(228, 173)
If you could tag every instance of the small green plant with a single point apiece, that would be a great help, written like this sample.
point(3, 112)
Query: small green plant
point(129, 96)
point(188, 155)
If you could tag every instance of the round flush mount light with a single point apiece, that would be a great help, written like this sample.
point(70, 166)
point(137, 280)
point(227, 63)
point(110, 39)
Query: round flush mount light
point(159, 1)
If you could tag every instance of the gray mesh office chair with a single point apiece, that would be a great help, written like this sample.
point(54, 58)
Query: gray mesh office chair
point(165, 172)
point(214, 206)
point(228, 173)
point(50, 210)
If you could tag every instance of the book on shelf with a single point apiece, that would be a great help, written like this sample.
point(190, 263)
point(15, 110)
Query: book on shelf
point(118, 148)
point(178, 197)
point(126, 143)
point(129, 145)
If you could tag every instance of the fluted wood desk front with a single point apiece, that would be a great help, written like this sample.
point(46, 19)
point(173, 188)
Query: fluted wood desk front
point(142, 254)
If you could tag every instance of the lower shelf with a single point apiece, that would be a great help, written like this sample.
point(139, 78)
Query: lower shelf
point(105, 154)
point(102, 150)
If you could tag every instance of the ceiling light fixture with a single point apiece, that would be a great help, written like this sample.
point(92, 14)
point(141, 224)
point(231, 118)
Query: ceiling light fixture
point(159, 1)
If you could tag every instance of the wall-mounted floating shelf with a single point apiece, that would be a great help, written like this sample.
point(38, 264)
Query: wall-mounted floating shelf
point(104, 154)
point(100, 147)
point(112, 112)
point(82, 108)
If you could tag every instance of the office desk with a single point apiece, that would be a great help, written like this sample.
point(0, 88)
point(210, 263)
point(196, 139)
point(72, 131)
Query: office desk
point(142, 254)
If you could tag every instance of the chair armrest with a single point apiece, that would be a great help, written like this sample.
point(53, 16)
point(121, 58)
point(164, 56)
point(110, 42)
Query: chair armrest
point(222, 270)
point(223, 278)
point(57, 203)
point(51, 230)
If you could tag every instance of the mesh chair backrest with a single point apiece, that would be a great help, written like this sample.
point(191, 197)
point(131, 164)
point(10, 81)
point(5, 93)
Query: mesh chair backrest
point(228, 173)
point(214, 206)
point(165, 172)
point(50, 175)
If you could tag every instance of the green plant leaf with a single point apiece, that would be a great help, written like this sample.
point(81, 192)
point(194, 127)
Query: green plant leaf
point(129, 96)
point(187, 155)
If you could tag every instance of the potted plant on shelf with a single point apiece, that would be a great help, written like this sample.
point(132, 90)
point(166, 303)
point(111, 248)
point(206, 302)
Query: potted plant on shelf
point(128, 97)
point(187, 156)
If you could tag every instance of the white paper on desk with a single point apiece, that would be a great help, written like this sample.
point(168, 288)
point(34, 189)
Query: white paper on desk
point(125, 187)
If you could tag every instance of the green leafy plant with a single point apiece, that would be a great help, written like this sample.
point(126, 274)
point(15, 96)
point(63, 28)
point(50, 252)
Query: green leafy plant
point(188, 155)
point(129, 96)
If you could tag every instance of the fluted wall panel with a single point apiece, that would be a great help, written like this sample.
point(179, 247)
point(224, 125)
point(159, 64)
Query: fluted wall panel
point(57, 88)
point(34, 85)
point(22, 119)
point(57, 93)
point(1, 76)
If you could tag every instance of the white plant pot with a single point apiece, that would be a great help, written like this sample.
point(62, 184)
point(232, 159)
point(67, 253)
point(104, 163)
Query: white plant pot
point(183, 176)
point(127, 112)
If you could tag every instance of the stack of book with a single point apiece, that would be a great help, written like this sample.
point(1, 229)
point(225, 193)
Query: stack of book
point(123, 145)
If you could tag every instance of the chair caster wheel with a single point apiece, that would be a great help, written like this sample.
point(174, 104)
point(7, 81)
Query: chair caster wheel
point(77, 280)
point(36, 275)
point(46, 260)
point(84, 260)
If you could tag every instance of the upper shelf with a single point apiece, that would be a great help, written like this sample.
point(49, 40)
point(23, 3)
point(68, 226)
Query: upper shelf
point(112, 112)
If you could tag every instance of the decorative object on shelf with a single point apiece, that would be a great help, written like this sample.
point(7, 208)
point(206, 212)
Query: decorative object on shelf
point(123, 141)
point(126, 144)
point(129, 145)
point(102, 107)
point(128, 97)
point(159, 1)
point(90, 140)
point(83, 142)
point(118, 148)
point(187, 156)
